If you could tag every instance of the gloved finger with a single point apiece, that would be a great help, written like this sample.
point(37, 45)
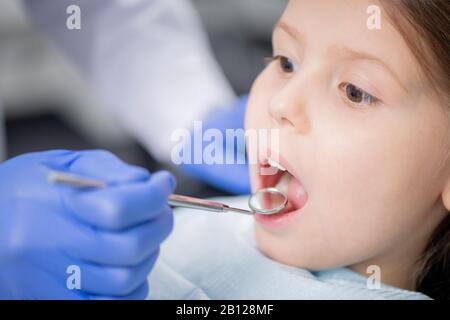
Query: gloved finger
point(233, 178)
point(103, 165)
point(115, 281)
point(59, 156)
point(123, 206)
point(56, 230)
point(92, 279)
point(30, 286)
point(139, 294)
point(56, 159)
point(36, 165)
point(125, 248)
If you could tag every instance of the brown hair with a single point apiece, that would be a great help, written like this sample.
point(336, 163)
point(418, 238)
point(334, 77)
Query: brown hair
point(430, 43)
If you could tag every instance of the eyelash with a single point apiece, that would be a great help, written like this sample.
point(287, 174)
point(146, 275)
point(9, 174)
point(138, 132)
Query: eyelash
point(366, 98)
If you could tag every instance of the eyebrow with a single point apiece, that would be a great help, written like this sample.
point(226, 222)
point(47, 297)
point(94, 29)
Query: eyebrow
point(293, 32)
point(355, 55)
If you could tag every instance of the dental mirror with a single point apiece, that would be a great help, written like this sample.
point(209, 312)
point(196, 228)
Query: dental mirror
point(267, 201)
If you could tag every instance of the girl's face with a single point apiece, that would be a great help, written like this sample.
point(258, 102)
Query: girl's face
point(365, 143)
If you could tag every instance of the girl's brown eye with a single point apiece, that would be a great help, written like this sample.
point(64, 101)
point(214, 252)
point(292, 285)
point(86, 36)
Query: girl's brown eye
point(356, 95)
point(286, 64)
point(353, 93)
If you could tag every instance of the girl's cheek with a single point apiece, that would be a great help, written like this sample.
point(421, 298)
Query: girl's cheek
point(259, 100)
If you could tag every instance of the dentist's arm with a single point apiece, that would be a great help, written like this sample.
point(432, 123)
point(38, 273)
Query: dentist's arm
point(149, 61)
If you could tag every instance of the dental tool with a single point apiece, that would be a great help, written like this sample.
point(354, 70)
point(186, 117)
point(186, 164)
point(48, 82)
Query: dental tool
point(265, 201)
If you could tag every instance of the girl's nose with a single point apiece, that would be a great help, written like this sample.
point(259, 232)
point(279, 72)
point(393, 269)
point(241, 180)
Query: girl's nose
point(288, 107)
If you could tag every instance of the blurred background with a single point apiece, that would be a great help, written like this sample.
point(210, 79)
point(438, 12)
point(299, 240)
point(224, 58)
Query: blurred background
point(46, 103)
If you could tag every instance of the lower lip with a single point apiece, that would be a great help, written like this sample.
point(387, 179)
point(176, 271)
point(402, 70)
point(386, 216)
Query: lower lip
point(297, 199)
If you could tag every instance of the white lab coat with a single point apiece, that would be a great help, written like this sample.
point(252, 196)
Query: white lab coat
point(148, 60)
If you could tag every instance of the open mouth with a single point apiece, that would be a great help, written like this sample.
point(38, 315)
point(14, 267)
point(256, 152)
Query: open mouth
point(277, 174)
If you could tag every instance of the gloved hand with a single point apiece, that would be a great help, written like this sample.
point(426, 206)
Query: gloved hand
point(51, 236)
point(233, 178)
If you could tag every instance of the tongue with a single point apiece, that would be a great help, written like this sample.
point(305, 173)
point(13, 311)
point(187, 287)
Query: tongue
point(293, 189)
point(283, 183)
point(296, 193)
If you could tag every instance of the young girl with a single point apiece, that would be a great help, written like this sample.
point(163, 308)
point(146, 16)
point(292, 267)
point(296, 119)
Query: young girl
point(363, 117)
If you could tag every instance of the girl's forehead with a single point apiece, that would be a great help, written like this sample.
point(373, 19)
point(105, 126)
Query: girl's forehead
point(341, 22)
point(330, 26)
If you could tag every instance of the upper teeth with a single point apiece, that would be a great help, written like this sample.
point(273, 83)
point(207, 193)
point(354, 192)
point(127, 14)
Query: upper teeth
point(275, 164)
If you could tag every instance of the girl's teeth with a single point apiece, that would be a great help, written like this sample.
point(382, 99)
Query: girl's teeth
point(283, 183)
point(275, 164)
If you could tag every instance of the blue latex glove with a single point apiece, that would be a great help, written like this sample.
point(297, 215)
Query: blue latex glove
point(233, 178)
point(111, 234)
